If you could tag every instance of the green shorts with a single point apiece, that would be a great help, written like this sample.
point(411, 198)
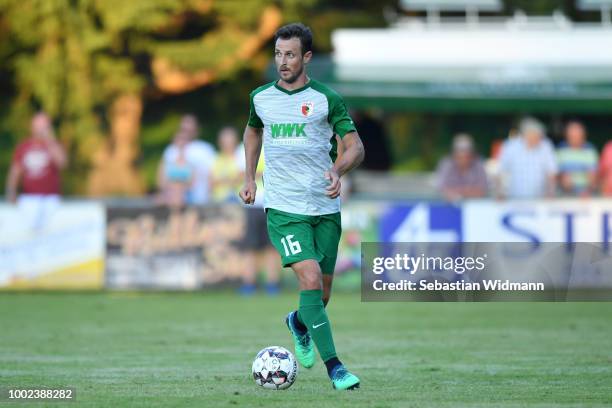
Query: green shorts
point(299, 237)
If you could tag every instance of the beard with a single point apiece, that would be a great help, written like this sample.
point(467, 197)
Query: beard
point(295, 76)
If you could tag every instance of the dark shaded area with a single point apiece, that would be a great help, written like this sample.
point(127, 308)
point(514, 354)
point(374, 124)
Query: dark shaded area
point(374, 140)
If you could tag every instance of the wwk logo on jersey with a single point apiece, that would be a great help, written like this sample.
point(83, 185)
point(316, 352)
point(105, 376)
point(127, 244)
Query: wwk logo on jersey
point(307, 108)
point(287, 130)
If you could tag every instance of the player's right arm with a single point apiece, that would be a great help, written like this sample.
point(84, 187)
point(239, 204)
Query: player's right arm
point(252, 150)
point(253, 135)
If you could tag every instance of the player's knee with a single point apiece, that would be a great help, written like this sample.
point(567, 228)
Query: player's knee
point(309, 275)
point(311, 281)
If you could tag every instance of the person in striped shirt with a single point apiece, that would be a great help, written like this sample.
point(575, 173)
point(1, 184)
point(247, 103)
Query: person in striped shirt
point(577, 161)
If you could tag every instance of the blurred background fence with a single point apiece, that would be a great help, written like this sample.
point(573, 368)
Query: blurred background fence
point(135, 245)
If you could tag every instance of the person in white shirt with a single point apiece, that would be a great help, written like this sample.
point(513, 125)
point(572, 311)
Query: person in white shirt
point(199, 154)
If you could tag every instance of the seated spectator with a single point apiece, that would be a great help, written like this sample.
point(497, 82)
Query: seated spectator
point(605, 170)
point(528, 163)
point(577, 161)
point(462, 175)
point(199, 154)
point(226, 174)
point(175, 177)
point(35, 168)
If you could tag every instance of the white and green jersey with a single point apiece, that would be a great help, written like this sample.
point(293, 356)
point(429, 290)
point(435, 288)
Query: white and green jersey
point(299, 144)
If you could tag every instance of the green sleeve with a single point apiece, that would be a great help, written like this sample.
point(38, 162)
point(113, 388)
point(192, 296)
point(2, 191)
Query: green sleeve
point(338, 116)
point(254, 120)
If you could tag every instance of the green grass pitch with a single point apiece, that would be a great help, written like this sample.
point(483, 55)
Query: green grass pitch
point(167, 349)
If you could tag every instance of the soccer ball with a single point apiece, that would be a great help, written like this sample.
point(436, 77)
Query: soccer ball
point(275, 368)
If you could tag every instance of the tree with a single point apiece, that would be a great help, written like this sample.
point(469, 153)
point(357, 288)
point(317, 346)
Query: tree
point(92, 64)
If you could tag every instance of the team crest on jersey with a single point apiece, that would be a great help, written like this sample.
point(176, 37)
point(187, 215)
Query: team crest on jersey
point(307, 108)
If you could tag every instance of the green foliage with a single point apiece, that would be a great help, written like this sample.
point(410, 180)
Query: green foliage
point(63, 62)
point(539, 7)
point(343, 14)
point(73, 58)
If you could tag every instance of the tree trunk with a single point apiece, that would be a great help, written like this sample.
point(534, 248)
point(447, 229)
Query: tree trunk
point(113, 167)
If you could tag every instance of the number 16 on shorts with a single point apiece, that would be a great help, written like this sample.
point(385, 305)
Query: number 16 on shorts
point(291, 247)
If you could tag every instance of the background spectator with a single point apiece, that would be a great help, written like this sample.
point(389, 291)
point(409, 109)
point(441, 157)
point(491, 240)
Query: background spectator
point(528, 163)
point(258, 250)
point(577, 161)
point(176, 177)
point(492, 163)
point(605, 169)
point(226, 173)
point(199, 154)
point(35, 167)
point(462, 174)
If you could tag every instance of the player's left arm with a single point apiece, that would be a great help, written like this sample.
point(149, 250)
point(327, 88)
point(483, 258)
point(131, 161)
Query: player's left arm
point(352, 154)
point(353, 151)
point(351, 157)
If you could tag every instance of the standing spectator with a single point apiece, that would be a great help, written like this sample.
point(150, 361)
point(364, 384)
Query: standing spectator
point(36, 167)
point(226, 173)
point(199, 154)
point(175, 178)
point(462, 175)
point(258, 250)
point(492, 163)
point(605, 169)
point(528, 163)
point(577, 160)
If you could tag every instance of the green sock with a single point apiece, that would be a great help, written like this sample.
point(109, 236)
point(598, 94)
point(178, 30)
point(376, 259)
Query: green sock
point(312, 313)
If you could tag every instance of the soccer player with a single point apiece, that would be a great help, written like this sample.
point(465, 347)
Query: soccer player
point(296, 118)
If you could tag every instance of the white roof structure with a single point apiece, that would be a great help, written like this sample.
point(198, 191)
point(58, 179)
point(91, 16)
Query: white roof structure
point(521, 58)
point(452, 5)
point(486, 54)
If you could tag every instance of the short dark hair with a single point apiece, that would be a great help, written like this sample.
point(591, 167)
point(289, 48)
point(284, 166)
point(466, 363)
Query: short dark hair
point(296, 30)
point(573, 120)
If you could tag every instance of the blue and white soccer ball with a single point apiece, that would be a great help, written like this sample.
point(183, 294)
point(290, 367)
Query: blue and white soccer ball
point(275, 368)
